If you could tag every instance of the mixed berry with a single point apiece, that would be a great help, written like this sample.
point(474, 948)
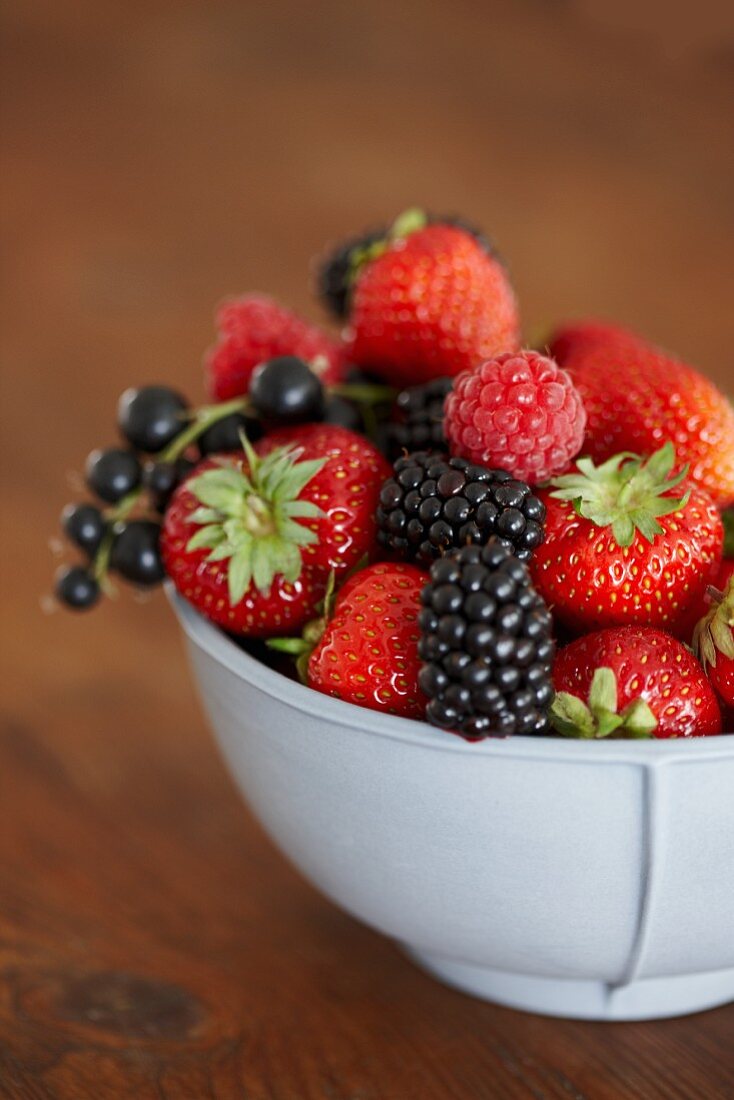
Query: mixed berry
point(428, 519)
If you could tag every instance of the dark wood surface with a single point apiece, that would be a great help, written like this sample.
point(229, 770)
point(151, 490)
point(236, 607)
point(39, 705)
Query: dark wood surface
point(155, 157)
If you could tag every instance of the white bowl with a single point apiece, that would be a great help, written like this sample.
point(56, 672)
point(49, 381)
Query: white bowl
point(584, 879)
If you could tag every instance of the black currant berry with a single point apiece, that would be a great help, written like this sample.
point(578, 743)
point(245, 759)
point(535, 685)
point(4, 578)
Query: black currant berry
point(85, 526)
point(486, 643)
point(224, 434)
point(113, 473)
point(76, 588)
point(286, 389)
point(150, 417)
point(161, 478)
point(432, 504)
point(136, 553)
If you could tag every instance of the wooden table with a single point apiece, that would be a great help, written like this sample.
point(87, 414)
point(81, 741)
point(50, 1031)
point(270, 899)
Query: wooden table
point(157, 156)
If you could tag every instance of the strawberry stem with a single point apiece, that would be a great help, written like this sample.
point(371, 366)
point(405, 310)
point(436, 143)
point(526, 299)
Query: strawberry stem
point(626, 493)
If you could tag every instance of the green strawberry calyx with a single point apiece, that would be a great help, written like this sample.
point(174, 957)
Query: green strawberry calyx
point(248, 516)
point(714, 633)
point(626, 493)
point(600, 717)
point(410, 221)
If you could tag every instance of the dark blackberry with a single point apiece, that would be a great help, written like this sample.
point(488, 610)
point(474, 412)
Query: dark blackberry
point(486, 643)
point(418, 423)
point(333, 272)
point(433, 504)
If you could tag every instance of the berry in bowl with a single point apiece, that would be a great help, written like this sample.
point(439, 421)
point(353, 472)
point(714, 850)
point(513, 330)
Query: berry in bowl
point(466, 646)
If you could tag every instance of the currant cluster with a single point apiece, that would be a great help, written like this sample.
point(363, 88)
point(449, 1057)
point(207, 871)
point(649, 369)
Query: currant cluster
point(162, 439)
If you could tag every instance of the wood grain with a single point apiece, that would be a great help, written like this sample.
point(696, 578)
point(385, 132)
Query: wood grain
point(155, 157)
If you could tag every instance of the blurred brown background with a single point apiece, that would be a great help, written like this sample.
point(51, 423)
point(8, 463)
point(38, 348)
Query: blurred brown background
point(157, 156)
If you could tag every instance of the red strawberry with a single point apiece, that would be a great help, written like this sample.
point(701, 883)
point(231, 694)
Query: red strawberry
point(713, 641)
point(347, 491)
point(620, 548)
point(250, 540)
point(368, 653)
point(568, 339)
point(428, 302)
point(636, 396)
point(255, 328)
point(632, 682)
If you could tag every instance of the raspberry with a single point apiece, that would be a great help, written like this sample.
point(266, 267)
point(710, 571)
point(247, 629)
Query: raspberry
point(519, 412)
point(254, 329)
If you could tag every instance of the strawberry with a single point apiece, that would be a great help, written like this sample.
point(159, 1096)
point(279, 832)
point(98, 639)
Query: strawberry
point(632, 681)
point(637, 395)
point(713, 641)
point(250, 539)
point(621, 548)
point(568, 339)
point(368, 653)
point(428, 301)
point(347, 491)
point(254, 329)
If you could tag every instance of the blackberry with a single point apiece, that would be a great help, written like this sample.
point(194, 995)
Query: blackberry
point(486, 644)
point(333, 273)
point(433, 503)
point(418, 424)
point(333, 276)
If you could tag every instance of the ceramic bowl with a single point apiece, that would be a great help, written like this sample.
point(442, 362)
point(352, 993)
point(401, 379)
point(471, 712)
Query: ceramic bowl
point(584, 879)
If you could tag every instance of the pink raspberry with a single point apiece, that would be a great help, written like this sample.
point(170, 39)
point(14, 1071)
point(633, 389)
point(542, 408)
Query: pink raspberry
point(519, 412)
point(255, 328)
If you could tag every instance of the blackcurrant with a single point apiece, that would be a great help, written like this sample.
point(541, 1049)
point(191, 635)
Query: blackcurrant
point(113, 473)
point(76, 587)
point(161, 478)
point(136, 554)
point(84, 525)
point(224, 434)
point(286, 389)
point(150, 417)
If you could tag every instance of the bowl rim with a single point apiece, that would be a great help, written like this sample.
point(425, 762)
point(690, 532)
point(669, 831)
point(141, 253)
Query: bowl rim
point(222, 649)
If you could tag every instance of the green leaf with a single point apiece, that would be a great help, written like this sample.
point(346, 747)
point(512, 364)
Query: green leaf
point(239, 576)
point(638, 720)
point(293, 646)
point(603, 692)
point(571, 717)
point(206, 538)
point(410, 221)
point(302, 509)
point(204, 515)
point(607, 723)
point(623, 530)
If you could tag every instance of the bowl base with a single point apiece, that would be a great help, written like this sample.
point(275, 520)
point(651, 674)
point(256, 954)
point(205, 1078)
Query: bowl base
point(654, 998)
